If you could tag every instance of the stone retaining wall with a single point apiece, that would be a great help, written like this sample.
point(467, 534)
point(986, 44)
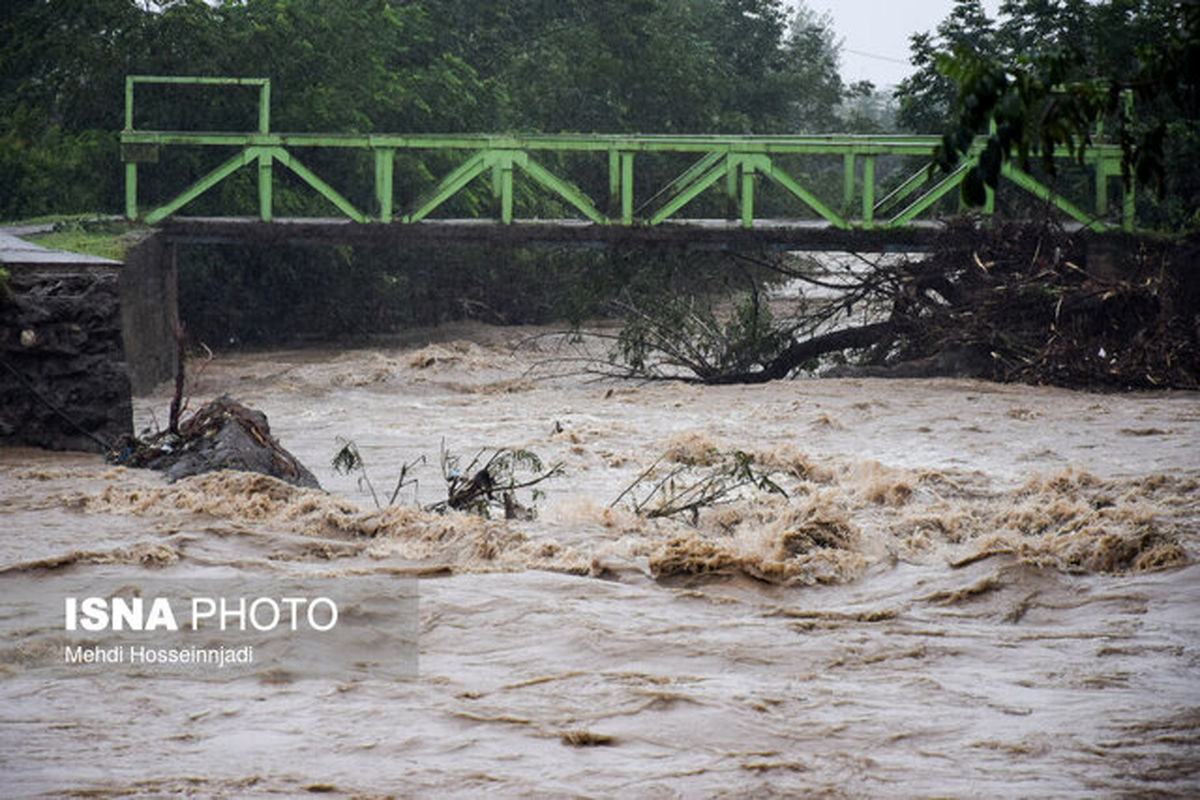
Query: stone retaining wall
point(63, 380)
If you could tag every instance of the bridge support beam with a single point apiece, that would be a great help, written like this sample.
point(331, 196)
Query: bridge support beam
point(748, 194)
point(149, 290)
point(626, 188)
point(131, 190)
point(614, 181)
point(1040, 190)
point(385, 161)
point(502, 189)
point(733, 206)
point(265, 199)
point(868, 196)
point(847, 183)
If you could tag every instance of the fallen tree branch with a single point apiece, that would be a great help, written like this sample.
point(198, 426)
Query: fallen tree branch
point(798, 353)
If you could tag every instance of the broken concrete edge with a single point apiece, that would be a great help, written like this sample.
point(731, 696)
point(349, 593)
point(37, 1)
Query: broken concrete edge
point(147, 286)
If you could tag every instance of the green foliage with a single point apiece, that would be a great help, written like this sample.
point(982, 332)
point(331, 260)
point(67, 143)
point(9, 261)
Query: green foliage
point(652, 66)
point(428, 65)
point(107, 238)
point(810, 76)
point(489, 482)
point(927, 95)
point(667, 334)
point(348, 460)
point(866, 109)
point(687, 488)
point(45, 169)
point(1048, 74)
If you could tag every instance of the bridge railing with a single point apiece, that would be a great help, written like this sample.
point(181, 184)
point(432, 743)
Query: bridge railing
point(740, 167)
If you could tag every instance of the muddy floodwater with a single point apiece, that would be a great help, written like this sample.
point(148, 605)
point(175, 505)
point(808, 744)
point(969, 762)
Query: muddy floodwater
point(965, 590)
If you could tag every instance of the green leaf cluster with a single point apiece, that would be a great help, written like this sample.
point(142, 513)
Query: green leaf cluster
point(668, 332)
point(1049, 77)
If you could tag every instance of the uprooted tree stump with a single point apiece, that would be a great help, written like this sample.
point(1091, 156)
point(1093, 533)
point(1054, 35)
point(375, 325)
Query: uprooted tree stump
point(223, 434)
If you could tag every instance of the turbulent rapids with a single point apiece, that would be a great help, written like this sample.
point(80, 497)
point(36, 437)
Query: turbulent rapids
point(959, 588)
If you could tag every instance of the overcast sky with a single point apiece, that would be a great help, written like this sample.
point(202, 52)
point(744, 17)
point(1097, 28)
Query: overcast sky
point(875, 33)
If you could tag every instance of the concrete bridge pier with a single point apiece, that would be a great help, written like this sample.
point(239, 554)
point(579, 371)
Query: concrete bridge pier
point(149, 290)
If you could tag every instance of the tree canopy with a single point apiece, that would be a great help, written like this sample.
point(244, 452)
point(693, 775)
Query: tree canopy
point(652, 66)
point(1047, 73)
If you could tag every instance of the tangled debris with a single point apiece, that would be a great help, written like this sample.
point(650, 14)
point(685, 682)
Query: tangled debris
point(490, 484)
point(223, 434)
point(1044, 306)
point(682, 492)
point(1013, 302)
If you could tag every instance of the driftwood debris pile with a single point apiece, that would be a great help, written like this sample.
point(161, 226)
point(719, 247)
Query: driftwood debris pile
point(1042, 306)
point(1016, 302)
point(223, 434)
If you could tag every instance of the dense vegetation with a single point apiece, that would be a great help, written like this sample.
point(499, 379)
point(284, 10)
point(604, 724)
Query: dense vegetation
point(1048, 72)
point(734, 66)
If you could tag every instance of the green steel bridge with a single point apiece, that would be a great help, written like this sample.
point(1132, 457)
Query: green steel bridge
point(609, 187)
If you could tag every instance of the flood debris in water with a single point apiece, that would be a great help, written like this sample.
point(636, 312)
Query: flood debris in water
point(222, 434)
point(684, 490)
point(489, 482)
point(1015, 302)
point(821, 641)
point(584, 738)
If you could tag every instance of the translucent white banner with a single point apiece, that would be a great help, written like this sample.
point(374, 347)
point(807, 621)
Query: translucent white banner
point(273, 628)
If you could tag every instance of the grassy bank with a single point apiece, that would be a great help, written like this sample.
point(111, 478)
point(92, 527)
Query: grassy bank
point(106, 237)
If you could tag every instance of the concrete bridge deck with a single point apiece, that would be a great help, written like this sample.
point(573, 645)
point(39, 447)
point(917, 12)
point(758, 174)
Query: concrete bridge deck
point(792, 235)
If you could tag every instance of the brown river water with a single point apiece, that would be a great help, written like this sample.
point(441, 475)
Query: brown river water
point(970, 590)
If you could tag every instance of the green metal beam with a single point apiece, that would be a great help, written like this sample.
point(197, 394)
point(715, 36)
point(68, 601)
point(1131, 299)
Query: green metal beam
point(747, 167)
point(930, 197)
point(614, 180)
point(689, 192)
point(1040, 190)
point(907, 187)
point(847, 182)
point(733, 191)
point(868, 198)
point(449, 186)
point(131, 190)
point(502, 163)
point(767, 167)
point(203, 185)
point(738, 159)
point(323, 188)
point(626, 188)
point(686, 177)
point(565, 189)
point(385, 163)
point(263, 84)
point(265, 186)
point(560, 142)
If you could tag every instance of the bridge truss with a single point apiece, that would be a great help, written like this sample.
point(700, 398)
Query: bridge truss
point(741, 168)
